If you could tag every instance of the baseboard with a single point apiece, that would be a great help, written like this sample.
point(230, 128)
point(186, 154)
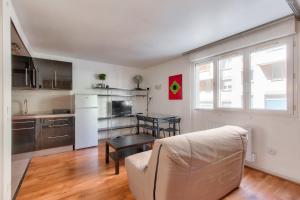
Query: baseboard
point(296, 181)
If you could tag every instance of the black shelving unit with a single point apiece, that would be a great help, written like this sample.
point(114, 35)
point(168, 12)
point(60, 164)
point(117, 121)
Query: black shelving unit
point(132, 94)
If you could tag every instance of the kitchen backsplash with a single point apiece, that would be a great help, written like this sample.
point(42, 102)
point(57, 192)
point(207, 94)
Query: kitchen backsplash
point(42, 101)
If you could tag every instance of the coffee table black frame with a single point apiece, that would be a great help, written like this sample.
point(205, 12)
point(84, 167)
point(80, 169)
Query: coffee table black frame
point(125, 146)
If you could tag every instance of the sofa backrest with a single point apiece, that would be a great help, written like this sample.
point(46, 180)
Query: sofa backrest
point(199, 165)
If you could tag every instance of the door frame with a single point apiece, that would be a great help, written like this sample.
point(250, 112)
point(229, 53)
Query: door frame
point(5, 100)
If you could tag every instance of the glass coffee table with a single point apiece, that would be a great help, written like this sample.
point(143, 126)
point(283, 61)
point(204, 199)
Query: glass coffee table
point(127, 145)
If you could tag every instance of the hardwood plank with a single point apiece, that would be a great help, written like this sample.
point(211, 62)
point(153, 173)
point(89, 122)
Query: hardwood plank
point(84, 175)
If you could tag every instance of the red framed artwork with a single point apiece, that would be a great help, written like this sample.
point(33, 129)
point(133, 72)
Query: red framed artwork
point(175, 87)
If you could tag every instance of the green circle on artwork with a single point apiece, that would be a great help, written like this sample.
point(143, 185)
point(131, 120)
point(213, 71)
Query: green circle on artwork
point(174, 87)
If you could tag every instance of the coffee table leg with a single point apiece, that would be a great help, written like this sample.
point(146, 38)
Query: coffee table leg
point(106, 153)
point(117, 164)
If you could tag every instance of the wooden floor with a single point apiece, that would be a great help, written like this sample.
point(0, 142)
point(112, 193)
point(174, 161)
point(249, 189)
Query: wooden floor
point(84, 175)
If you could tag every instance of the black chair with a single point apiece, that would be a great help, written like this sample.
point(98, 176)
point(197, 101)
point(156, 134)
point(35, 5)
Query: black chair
point(174, 126)
point(149, 124)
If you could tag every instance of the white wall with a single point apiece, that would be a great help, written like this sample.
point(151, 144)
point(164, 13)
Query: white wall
point(157, 80)
point(84, 75)
point(280, 133)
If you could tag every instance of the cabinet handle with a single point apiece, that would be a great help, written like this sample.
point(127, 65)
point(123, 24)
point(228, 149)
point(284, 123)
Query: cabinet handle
point(55, 79)
point(26, 77)
point(61, 125)
point(60, 136)
point(57, 120)
point(24, 122)
point(34, 78)
point(21, 129)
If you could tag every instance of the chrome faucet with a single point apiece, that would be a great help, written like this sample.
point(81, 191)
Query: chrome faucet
point(26, 106)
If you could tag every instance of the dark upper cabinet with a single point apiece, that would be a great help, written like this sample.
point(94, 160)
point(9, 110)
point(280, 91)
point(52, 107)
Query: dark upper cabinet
point(53, 74)
point(24, 73)
point(35, 73)
point(17, 46)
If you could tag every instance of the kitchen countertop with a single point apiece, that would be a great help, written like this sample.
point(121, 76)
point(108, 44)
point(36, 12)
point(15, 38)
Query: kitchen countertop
point(39, 116)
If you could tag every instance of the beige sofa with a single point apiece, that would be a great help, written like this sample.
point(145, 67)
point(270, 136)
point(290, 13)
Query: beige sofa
point(204, 165)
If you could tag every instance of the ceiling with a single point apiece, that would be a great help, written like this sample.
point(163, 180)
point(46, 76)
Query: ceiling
point(137, 33)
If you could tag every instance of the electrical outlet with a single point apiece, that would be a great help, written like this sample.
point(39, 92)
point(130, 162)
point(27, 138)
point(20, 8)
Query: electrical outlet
point(272, 151)
point(253, 157)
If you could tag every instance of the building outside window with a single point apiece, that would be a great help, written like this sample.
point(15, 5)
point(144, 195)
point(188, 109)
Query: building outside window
point(230, 79)
point(204, 87)
point(269, 78)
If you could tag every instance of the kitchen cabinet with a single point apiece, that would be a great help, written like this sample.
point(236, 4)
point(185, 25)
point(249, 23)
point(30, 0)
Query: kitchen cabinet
point(24, 134)
point(24, 73)
point(56, 132)
point(17, 46)
point(35, 73)
point(30, 135)
point(53, 74)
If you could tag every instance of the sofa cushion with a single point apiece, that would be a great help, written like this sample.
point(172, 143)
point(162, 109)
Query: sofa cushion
point(135, 167)
point(139, 160)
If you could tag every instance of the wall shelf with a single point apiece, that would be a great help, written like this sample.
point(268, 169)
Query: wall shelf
point(112, 117)
point(120, 95)
point(122, 89)
point(117, 127)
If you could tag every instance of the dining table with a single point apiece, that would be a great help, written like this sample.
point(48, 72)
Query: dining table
point(158, 118)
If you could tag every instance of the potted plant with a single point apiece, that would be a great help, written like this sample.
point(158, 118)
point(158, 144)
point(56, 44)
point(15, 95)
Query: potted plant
point(102, 77)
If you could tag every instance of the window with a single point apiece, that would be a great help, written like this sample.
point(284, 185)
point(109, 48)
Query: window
point(230, 79)
point(268, 84)
point(204, 86)
point(269, 78)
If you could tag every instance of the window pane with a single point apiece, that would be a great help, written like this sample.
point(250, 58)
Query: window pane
point(231, 82)
point(268, 79)
point(204, 85)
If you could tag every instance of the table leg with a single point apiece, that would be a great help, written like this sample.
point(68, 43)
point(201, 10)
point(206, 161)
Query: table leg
point(138, 127)
point(106, 153)
point(174, 128)
point(117, 165)
point(158, 131)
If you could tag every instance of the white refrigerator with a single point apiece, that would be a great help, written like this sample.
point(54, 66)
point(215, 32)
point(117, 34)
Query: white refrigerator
point(86, 128)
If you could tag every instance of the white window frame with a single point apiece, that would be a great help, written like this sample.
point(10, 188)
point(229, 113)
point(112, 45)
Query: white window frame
point(246, 52)
point(217, 58)
point(195, 90)
point(289, 42)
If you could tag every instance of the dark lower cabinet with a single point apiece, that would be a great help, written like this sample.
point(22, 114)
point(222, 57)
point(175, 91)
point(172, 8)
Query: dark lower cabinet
point(37, 134)
point(56, 132)
point(24, 136)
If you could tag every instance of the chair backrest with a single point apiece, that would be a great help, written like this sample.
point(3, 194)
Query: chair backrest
point(199, 165)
